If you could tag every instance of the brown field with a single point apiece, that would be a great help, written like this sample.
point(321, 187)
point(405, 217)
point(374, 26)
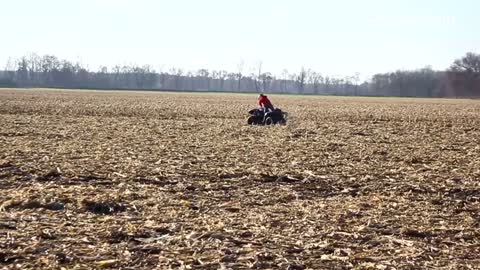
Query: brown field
point(138, 180)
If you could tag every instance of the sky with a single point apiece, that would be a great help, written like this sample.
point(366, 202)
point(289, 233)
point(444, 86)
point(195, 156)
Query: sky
point(333, 37)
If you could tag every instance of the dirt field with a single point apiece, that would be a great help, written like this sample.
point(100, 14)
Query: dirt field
point(138, 180)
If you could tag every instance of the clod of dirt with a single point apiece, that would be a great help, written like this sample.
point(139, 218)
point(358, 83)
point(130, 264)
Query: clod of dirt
point(88, 178)
point(33, 204)
point(105, 208)
point(417, 233)
point(268, 178)
point(47, 234)
point(50, 175)
point(246, 234)
point(287, 179)
point(55, 206)
point(8, 259)
point(9, 225)
point(229, 258)
point(5, 164)
point(279, 178)
point(295, 266)
point(63, 258)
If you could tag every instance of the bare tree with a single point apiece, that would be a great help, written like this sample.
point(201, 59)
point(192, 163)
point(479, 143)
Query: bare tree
point(284, 80)
point(356, 80)
point(328, 85)
point(221, 75)
point(315, 79)
point(204, 74)
point(191, 79)
point(256, 76)
point(301, 80)
point(22, 69)
point(462, 79)
point(35, 67)
point(177, 74)
point(465, 75)
point(265, 79)
point(469, 63)
point(240, 74)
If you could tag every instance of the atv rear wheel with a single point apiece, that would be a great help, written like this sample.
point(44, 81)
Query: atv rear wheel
point(269, 121)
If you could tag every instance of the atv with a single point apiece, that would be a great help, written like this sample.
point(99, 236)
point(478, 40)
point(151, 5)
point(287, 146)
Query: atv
point(258, 117)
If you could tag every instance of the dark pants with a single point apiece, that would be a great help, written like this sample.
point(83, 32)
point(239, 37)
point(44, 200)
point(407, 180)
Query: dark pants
point(268, 107)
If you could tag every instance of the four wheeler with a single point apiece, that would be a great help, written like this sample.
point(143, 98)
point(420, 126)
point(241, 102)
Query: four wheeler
point(258, 117)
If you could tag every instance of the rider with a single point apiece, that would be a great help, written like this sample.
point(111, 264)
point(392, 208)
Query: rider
point(265, 103)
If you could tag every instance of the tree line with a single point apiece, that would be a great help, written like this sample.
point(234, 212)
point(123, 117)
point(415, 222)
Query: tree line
point(462, 79)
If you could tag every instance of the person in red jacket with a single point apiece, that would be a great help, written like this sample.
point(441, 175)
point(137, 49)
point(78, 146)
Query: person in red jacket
point(265, 103)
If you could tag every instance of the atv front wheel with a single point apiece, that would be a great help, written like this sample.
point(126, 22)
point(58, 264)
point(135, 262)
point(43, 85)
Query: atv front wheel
point(251, 120)
point(269, 121)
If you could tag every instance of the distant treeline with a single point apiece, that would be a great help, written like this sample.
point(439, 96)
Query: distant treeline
point(462, 79)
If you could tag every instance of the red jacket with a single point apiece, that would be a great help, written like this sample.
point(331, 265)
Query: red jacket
point(263, 100)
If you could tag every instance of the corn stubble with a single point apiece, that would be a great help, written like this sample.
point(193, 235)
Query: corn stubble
point(160, 180)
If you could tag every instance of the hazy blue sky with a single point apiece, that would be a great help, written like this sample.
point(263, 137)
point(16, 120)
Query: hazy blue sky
point(338, 37)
